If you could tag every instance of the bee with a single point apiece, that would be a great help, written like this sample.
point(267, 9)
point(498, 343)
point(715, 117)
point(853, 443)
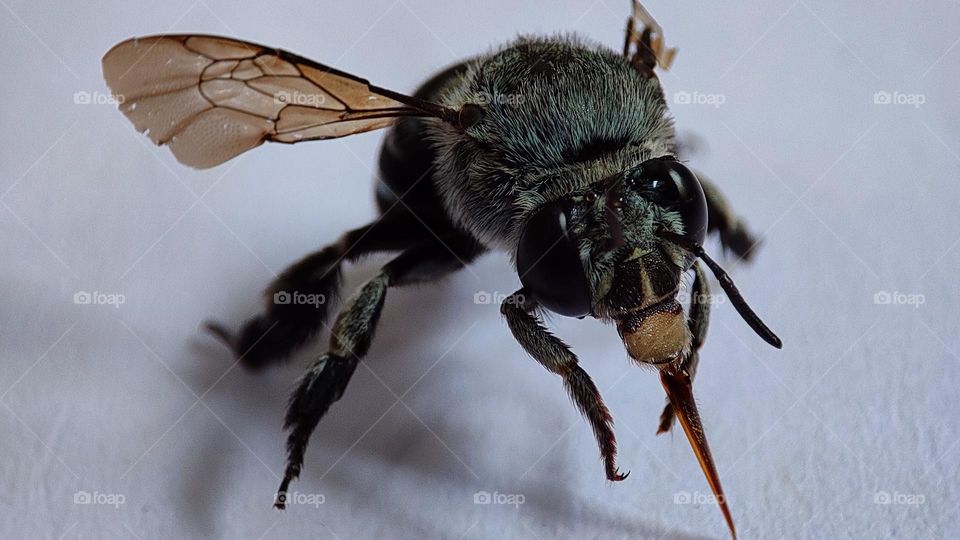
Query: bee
point(559, 152)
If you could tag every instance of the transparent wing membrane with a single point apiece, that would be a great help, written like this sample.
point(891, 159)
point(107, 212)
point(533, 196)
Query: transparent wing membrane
point(212, 98)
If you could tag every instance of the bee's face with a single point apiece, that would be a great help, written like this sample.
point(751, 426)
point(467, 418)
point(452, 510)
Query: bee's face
point(597, 252)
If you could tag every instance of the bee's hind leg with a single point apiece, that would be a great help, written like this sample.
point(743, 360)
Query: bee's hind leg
point(297, 302)
point(697, 322)
point(351, 336)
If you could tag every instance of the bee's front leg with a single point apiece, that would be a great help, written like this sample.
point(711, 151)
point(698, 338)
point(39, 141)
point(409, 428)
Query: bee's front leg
point(697, 322)
point(557, 357)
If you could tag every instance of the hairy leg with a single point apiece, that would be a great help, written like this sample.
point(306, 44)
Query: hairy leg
point(297, 302)
point(697, 321)
point(557, 357)
point(350, 339)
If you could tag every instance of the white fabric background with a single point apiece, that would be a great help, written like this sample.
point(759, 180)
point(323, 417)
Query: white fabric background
point(852, 198)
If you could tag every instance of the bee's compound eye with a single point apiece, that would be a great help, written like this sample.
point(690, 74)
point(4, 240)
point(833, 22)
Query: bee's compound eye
point(548, 261)
point(670, 184)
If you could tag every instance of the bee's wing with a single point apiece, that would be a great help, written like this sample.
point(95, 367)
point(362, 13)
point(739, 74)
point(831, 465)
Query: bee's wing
point(212, 98)
point(645, 40)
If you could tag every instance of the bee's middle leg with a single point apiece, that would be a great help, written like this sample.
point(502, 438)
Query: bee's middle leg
point(697, 322)
point(733, 231)
point(557, 357)
point(351, 336)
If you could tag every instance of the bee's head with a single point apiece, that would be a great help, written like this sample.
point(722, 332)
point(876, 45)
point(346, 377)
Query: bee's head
point(618, 249)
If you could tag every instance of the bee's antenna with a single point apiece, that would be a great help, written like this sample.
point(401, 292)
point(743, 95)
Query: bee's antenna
point(729, 287)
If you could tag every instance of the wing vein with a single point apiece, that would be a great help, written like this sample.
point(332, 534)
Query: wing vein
point(211, 98)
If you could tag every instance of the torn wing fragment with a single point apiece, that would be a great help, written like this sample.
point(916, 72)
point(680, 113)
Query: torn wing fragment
point(212, 98)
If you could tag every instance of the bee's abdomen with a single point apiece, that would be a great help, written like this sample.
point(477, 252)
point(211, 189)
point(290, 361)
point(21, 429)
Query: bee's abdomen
point(405, 167)
point(406, 182)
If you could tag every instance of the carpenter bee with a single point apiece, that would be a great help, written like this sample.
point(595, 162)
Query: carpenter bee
point(559, 152)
